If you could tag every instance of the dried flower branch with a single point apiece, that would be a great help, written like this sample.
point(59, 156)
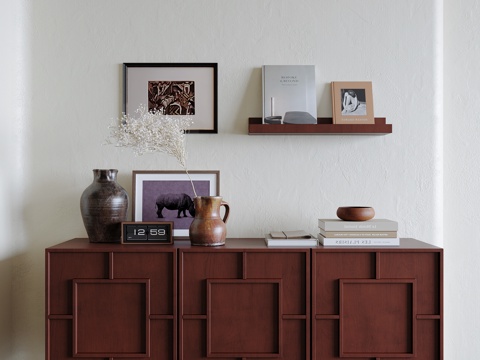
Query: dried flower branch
point(150, 132)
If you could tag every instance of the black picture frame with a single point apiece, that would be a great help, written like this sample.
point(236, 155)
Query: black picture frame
point(177, 89)
point(149, 185)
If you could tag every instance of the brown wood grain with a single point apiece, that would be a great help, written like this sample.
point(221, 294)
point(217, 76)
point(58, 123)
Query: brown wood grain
point(324, 126)
point(243, 300)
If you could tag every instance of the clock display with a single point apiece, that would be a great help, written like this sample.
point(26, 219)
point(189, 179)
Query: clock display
point(147, 232)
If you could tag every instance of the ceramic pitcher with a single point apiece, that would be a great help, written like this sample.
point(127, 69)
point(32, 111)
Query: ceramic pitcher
point(208, 228)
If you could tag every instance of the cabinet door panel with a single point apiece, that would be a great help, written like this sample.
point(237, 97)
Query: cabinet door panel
point(332, 266)
point(111, 317)
point(295, 334)
point(63, 267)
point(325, 339)
point(425, 267)
point(159, 268)
point(243, 317)
point(291, 267)
point(255, 304)
point(196, 346)
point(196, 267)
point(60, 345)
point(377, 317)
point(99, 303)
point(162, 339)
point(383, 304)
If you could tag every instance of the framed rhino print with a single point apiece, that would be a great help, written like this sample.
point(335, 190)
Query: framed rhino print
point(168, 196)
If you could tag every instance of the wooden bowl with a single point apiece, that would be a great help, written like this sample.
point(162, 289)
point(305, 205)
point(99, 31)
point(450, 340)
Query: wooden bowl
point(355, 213)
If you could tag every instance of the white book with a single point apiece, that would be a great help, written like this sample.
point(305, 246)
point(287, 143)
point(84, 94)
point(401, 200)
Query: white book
point(358, 242)
point(369, 225)
point(290, 242)
point(358, 234)
point(289, 94)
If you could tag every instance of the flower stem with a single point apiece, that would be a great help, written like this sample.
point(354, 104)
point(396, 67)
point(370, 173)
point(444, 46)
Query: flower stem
point(193, 186)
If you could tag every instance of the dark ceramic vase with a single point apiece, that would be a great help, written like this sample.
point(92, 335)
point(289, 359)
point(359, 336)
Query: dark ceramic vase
point(104, 205)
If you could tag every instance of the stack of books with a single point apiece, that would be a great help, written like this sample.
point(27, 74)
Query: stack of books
point(375, 232)
point(295, 238)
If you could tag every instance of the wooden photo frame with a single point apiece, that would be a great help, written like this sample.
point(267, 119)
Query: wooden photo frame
point(168, 196)
point(352, 102)
point(175, 89)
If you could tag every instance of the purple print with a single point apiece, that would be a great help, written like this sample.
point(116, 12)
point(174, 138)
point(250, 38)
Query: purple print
point(171, 201)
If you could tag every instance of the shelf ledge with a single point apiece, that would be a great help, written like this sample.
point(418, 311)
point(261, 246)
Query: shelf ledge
point(324, 126)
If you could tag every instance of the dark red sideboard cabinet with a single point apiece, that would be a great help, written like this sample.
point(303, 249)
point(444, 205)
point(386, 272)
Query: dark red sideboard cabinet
point(243, 301)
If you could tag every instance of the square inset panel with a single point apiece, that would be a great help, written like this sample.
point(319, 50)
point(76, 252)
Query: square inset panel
point(111, 318)
point(244, 318)
point(377, 318)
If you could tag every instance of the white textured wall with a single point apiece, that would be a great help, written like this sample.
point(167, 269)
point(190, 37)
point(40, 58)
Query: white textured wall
point(13, 242)
point(462, 184)
point(65, 86)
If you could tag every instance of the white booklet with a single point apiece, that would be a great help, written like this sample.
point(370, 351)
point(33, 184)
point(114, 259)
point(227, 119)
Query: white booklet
point(296, 238)
point(289, 94)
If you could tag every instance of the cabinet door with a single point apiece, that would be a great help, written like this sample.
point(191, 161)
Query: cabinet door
point(376, 304)
point(111, 305)
point(244, 304)
point(61, 269)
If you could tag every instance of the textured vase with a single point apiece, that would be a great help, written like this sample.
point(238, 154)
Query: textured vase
point(104, 205)
point(208, 228)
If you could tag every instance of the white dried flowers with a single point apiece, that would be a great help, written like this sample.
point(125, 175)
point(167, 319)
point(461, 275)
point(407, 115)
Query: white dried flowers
point(150, 132)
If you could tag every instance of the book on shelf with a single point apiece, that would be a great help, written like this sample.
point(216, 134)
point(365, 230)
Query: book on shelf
point(289, 94)
point(358, 242)
point(358, 234)
point(352, 102)
point(290, 238)
point(369, 225)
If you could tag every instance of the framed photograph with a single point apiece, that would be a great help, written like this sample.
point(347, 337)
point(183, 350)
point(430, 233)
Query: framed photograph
point(168, 196)
point(352, 102)
point(177, 89)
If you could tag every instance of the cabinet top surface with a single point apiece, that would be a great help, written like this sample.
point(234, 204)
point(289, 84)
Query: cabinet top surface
point(83, 244)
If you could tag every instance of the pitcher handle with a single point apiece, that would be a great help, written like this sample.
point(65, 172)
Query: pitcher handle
point(227, 211)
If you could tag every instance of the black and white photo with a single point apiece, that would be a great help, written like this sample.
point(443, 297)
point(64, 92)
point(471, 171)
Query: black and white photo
point(352, 102)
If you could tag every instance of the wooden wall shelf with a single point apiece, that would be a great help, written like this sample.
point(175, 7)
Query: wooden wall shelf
point(324, 126)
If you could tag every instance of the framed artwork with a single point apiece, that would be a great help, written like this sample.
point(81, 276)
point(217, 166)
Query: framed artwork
point(168, 196)
point(175, 89)
point(352, 102)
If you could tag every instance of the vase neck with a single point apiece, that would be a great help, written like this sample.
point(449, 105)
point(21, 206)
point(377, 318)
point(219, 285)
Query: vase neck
point(105, 174)
point(208, 205)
